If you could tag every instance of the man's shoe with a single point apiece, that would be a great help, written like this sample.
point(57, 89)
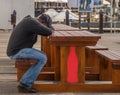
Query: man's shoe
point(26, 89)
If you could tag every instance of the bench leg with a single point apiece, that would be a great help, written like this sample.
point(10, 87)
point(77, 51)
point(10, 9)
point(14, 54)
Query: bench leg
point(105, 70)
point(92, 66)
point(116, 76)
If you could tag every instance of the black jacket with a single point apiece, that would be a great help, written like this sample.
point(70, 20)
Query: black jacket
point(25, 34)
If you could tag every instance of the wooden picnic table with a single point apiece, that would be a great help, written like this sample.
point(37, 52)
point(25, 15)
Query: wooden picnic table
point(63, 43)
point(68, 57)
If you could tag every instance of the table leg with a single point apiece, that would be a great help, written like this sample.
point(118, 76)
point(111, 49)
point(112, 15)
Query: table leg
point(55, 60)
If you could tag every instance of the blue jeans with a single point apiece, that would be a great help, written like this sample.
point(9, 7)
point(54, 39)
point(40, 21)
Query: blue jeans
point(32, 73)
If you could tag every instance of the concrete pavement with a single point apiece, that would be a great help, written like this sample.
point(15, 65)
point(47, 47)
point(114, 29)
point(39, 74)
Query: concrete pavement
point(110, 40)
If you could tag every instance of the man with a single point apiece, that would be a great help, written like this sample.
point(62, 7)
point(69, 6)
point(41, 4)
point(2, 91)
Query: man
point(22, 39)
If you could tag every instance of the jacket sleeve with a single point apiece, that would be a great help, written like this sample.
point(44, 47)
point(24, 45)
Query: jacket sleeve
point(40, 29)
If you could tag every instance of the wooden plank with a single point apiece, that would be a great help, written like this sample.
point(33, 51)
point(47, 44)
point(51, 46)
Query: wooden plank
point(47, 73)
point(82, 33)
point(79, 33)
point(64, 51)
point(96, 47)
point(70, 42)
point(65, 36)
point(91, 28)
point(42, 76)
point(105, 70)
point(48, 52)
point(116, 76)
point(56, 61)
point(66, 33)
point(109, 55)
point(57, 33)
point(20, 63)
point(64, 27)
point(77, 87)
point(81, 63)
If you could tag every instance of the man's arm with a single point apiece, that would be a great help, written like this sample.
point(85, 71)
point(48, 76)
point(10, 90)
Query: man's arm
point(40, 29)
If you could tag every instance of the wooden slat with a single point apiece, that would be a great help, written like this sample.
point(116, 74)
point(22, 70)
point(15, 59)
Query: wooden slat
point(109, 55)
point(105, 70)
point(57, 33)
point(63, 65)
point(96, 47)
point(66, 34)
point(116, 54)
point(47, 73)
point(116, 76)
point(55, 55)
point(64, 27)
point(73, 36)
point(25, 62)
point(81, 63)
point(80, 33)
point(88, 33)
point(77, 87)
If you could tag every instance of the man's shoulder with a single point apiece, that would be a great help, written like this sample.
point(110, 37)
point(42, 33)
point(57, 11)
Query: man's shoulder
point(28, 19)
point(27, 16)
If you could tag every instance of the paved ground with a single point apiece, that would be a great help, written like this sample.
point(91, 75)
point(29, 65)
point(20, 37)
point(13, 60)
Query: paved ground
point(110, 40)
point(8, 83)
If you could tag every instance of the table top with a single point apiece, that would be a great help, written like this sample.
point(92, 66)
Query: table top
point(67, 37)
point(73, 35)
point(64, 27)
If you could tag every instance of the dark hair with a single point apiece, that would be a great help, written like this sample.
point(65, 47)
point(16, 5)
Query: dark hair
point(47, 19)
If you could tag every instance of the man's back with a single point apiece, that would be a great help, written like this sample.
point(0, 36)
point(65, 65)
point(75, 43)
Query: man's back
point(24, 35)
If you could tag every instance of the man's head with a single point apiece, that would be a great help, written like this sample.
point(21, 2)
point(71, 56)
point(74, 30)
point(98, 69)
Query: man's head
point(46, 20)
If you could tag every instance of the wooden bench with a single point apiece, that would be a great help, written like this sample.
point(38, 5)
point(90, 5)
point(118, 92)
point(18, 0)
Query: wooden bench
point(109, 65)
point(92, 62)
point(23, 65)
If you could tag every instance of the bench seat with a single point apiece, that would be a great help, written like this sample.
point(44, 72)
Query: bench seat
point(26, 62)
point(22, 65)
point(109, 65)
